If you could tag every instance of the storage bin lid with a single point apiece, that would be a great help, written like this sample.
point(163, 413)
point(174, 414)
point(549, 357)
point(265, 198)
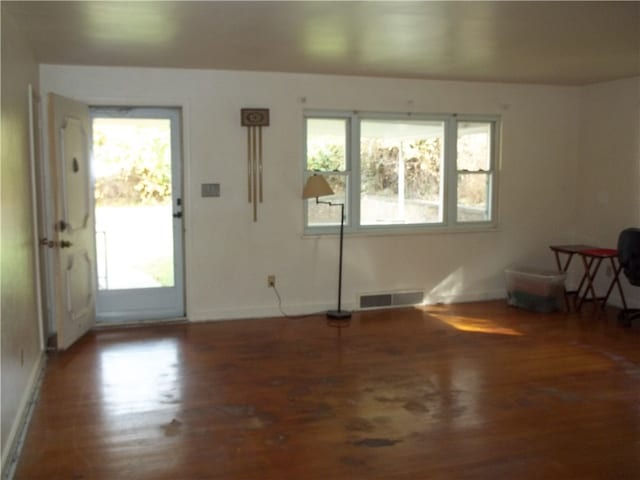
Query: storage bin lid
point(534, 272)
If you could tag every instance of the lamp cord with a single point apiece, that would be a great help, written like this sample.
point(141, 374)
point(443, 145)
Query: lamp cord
point(284, 314)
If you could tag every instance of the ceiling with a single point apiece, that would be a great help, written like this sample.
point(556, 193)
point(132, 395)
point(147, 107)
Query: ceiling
point(564, 43)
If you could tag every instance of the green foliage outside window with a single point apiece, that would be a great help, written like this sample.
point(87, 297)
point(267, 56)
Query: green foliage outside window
point(379, 168)
point(325, 157)
point(136, 168)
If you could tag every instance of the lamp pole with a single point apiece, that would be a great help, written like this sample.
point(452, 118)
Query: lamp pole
point(340, 261)
point(338, 314)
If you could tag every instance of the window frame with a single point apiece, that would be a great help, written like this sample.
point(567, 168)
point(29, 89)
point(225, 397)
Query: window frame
point(450, 173)
point(492, 199)
point(348, 173)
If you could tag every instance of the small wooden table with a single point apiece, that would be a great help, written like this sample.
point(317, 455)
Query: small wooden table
point(592, 258)
point(569, 251)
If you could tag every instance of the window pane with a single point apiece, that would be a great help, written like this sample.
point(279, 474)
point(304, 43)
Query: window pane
point(474, 146)
point(326, 144)
point(474, 190)
point(401, 172)
point(319, 215)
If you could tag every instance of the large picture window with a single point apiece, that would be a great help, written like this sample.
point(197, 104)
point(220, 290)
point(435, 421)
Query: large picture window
point(401, 172)
point(396, 172)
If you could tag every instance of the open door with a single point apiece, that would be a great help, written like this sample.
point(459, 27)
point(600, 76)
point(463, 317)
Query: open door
point(74, 239)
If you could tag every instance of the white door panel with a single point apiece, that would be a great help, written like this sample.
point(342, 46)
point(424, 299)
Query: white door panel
point(74, 244)
point(78, 274)
point(77, 202)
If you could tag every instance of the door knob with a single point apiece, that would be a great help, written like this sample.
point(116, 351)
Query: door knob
point(65, 244)
point(45, 242)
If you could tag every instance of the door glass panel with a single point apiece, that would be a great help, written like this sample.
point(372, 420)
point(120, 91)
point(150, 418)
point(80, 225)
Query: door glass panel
point(134, 223)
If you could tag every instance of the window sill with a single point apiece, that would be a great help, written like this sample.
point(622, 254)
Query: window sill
point(395, 231)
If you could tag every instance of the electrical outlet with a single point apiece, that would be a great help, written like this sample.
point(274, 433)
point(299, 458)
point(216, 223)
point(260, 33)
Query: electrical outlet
point(271, 280)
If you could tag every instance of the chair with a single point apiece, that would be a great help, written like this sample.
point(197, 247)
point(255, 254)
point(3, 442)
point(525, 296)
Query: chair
point(629, 257)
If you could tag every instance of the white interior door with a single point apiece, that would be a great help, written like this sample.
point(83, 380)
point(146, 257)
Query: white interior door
point(74, 239)
point(136, 168)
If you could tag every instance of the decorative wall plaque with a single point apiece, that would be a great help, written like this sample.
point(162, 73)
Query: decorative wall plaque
point(254, 119)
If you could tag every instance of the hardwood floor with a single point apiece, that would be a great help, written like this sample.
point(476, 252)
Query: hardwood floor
point(472, 391)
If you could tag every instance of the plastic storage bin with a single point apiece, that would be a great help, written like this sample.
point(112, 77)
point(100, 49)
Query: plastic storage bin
point(535, 289)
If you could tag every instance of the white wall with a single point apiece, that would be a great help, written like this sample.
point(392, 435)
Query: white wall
point(21, 353)
point(609, 160)
point(229, 256)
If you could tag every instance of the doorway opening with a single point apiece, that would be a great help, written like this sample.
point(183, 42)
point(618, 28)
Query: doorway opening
point(137, 166)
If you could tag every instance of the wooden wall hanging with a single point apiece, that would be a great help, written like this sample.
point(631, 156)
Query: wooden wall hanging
point(254, 119)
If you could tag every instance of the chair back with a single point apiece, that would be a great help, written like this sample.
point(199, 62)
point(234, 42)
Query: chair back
point(629, 254)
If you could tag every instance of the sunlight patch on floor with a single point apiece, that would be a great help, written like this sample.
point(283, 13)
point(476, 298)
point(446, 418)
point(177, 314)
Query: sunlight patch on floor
point(475, 325)
point(138, 378)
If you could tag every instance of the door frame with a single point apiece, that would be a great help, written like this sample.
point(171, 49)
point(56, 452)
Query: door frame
point(131, 314)
point(44, 216)
point(38, 207)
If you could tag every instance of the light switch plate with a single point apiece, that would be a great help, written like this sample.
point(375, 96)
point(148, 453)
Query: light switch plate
point(210, 189)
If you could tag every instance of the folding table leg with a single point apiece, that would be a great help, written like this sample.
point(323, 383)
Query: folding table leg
point(589, 278)
point(564, 269)
point(616, 280)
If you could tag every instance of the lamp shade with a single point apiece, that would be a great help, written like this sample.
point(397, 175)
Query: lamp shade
point(316, 186)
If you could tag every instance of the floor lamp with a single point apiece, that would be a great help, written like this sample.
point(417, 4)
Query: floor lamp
point(317, 186)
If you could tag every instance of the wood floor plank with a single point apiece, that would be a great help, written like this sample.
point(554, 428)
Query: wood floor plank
point(472, 391)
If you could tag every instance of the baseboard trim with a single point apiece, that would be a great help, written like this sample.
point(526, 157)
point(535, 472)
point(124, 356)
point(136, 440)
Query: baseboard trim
point(307, 309)
point(16, 437)
point(262, 312)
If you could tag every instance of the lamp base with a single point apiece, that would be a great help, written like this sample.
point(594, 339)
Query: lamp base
point(339, 315)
